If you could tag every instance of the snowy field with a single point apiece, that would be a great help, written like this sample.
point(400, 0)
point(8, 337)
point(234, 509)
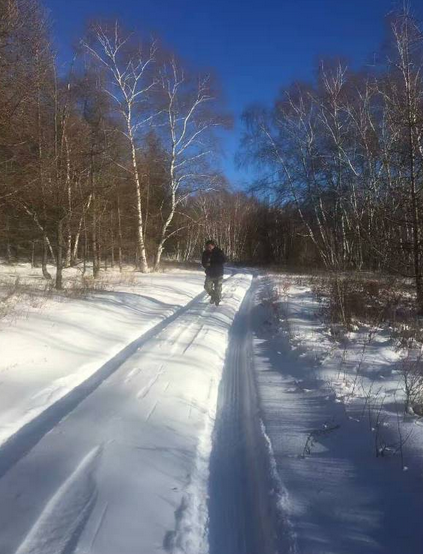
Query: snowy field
point(108, 404)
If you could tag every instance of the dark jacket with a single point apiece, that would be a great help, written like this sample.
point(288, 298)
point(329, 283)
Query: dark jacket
point(213, 262)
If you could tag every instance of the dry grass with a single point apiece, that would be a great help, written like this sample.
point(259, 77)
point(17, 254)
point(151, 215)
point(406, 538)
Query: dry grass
point(19, 296)
point(351, 299)
point(23, 289)
point(412, 375)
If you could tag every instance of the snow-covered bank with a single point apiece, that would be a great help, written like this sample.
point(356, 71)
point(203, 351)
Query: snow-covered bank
point(127, 470)
point(49, 348)
point(326, 411)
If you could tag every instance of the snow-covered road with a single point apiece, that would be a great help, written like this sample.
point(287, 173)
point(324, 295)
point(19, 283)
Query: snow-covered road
point(126, 470)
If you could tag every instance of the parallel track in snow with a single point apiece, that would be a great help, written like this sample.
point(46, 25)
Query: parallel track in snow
point(243, 518)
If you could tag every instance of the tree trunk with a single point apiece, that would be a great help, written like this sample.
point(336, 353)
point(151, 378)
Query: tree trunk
point(94, 238)
point(8, 245)
point(44, 261)
point(112, 241)
point(95, 246)
point(59, 260)
point(33, 253)
point(119, 234)
point(140, 230)
point(169, 218)
point(85, 253)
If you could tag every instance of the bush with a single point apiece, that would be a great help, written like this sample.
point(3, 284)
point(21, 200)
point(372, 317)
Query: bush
point(355, 298)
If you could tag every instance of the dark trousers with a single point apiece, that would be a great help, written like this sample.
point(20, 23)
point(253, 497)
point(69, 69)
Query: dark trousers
point(213, 286)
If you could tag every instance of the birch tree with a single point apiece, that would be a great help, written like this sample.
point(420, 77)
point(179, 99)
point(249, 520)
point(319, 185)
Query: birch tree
point(129, 79)
point(190, 115)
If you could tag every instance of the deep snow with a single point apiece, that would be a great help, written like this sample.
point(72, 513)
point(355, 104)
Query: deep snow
point(108, 407)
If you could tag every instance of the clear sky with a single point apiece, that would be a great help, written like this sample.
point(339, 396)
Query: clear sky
point(255, 46)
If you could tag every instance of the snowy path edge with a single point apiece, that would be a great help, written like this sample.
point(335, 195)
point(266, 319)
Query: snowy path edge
point(192, 518)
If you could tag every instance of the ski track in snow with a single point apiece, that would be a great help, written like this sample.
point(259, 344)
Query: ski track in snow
point(133, 373)
point(145, 390)
point(193, 339)
point(63, 519)
point(100, 525)
point(151, 412)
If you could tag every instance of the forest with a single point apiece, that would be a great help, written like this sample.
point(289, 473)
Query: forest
point(115, 158)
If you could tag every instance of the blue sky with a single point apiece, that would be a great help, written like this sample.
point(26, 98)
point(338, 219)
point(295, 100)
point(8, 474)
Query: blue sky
point(254, 46)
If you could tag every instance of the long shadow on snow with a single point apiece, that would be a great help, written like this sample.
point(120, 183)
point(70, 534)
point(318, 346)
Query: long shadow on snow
point(241, 510)
point(358, 510)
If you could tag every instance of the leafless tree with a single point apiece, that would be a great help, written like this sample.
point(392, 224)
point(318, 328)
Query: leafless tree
point(129, 80)
point(188, 105)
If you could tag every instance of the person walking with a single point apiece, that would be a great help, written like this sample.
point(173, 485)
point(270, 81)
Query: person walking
point(212, 260)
